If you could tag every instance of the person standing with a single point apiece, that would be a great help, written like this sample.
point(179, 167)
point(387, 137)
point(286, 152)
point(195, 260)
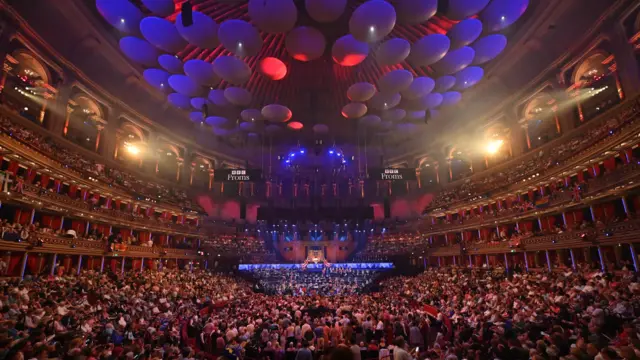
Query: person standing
point(399, 352)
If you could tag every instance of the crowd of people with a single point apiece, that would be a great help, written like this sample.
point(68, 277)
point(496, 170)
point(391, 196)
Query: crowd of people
point(15, 231)
point(74, 160)
point(532, 167)
point(328, 282)
point(445, 313)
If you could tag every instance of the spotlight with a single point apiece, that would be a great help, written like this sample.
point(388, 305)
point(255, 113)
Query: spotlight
point(494, 146)
point(121, 21)
point(132, 149)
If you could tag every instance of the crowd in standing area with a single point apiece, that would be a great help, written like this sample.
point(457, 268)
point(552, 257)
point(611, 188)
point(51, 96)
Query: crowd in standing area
point(447, 314)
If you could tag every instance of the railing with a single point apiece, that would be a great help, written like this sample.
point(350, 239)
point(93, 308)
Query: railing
point(626, 115)
point(36, 153)
point(48, 243)
point(82, 206)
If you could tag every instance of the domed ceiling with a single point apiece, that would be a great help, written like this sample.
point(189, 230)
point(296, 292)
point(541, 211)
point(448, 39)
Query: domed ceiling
point(312, 66)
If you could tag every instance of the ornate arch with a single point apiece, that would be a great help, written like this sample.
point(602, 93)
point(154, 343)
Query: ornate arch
point(27, 61)
point(592, 65)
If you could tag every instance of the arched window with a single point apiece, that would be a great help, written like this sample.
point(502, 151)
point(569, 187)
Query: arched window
point(428, 168)
point(541, 120)
point(27, 89)
point(461, 164)
point(497, 144)
point(131, 148)
point(201, 168)
point(84, 122)
point(596, 86)
point(167, 161)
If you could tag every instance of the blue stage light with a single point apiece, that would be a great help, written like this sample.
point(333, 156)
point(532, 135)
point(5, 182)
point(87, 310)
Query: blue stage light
point(331, 152)
point(301, 151)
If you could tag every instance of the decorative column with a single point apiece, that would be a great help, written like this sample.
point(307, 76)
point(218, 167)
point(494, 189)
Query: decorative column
point(525, 126)
point(79, 265)
point(634, 257)
point(573, 259)
point(99, 127)
point(180, 165)
point(211, 174)
point(102, 264)
point(418, 177)
point(53, 264)
point(546, 252)
point(627, 70)
point(23, 266)
point(8, 32)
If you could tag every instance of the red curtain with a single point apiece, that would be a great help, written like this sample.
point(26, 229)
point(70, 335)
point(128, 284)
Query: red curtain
point(31, 175)
point(33, 263)
point(79, 226)
point(13, 167)
point(23, 216)
point(73, 191)
point(125, 233)
point(526, 226)
point(44, 180)
point(580, 177)
point(610, 163)
point(13, 265)
point(114, 266)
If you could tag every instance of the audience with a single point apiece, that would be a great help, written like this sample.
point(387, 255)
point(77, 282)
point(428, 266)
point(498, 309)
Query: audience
point(446, 313)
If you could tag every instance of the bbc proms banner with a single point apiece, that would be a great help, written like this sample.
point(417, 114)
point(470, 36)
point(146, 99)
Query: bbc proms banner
point(392, 174)
point(237, 175)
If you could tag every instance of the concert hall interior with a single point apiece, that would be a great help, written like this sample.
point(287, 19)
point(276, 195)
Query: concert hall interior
point(320, 179)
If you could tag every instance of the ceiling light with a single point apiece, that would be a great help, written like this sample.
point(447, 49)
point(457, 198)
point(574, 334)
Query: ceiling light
point(372, 28)
point(503, 18)
point(26, 108)
point(239, 43)
point(168, 154)
point(121, 20)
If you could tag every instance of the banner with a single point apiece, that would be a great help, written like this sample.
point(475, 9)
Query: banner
point(393, 174)
point(237, 175)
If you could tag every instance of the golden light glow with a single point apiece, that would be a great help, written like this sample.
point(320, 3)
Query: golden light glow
point(494, 145)
point(132, 149)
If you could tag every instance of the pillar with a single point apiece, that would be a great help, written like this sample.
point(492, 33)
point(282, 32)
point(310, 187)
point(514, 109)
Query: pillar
point(100, 128)
point(439, 262)
point(506, 261)
point(526, 261)
point(53, 264)
point(624, 205)
point(7, 34)
point(142, 265)
point(33, 215)
point(634, 256)
point(546, 252)
point(593, 214)
point(470, 262)
point(122, 266)
point(626, 63)
point(23, 266)
point(61, 111)
point(573, 259)
point(102, 264)
point(79, 265)
point(526, 134)
point(601, 257)
point(486, 257)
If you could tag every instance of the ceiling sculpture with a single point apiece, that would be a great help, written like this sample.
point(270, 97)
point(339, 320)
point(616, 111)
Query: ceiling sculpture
point(322, 66)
